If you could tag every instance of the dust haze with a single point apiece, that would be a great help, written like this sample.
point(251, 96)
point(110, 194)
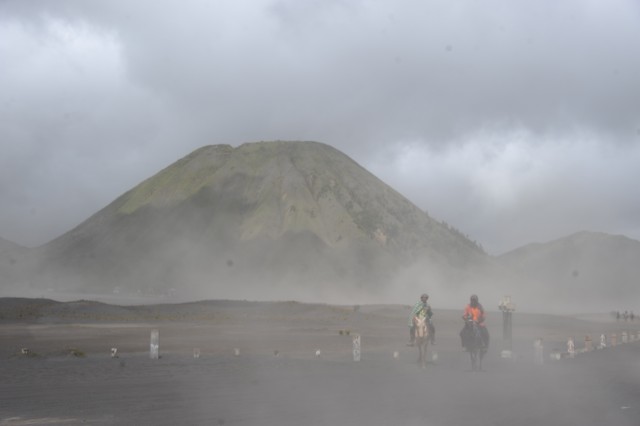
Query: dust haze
point(223, 274)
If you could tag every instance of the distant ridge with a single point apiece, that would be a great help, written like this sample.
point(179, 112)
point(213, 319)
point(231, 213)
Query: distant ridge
point(13, 263)
point(6, 246)
point(592, 268)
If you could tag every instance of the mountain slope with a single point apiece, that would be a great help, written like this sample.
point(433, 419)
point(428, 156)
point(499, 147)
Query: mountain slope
point(268, 217)
point(13, 263)
point(586, 267)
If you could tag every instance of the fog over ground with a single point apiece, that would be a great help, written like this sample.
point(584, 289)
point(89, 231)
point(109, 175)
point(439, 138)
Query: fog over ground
point(514, 122)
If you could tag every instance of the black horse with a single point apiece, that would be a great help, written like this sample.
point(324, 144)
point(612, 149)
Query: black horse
point(474, 342)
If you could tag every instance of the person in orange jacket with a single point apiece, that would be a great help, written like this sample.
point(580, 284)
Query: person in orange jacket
point(475, 311)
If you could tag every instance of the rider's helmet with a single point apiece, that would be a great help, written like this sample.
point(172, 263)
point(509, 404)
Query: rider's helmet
point(424, 296)
point(474, 299)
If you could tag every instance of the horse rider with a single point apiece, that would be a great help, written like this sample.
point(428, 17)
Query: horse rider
point(421, 308)
point(475, 311)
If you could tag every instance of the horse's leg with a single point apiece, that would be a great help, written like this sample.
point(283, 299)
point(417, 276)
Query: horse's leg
point(426, 351)
point(423, 353)
point(480, 355)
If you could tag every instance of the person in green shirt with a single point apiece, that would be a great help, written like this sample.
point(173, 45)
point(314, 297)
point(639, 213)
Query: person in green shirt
point(421, 308)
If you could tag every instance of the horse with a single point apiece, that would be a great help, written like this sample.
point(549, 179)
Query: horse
point(472, 341)
point(422, 339)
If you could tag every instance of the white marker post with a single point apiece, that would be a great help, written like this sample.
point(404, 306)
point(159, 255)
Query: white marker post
point(603, 341)
point(356, 347)
point(154, 346)
point(538, 352)
point(571, 349)
point(507, 307)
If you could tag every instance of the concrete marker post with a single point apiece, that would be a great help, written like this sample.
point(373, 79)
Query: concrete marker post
point(154, 345)
point(571, 349)
point(538, 352)
point(507, 307)
point(356, 347)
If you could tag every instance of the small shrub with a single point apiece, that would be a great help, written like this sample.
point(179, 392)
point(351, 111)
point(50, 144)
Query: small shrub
point(76, 353)
point(27, 353)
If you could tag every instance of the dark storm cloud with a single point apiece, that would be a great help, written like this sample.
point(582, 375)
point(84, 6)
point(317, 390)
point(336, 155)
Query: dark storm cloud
point(503, 110)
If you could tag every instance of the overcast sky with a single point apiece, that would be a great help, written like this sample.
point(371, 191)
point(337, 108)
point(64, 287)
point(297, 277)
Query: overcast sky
point(514, 121)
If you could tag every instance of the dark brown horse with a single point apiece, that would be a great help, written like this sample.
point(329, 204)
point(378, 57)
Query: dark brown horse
point(474, 343)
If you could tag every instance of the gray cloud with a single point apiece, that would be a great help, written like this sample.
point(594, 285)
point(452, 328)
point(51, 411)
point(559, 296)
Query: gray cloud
point(512, 123)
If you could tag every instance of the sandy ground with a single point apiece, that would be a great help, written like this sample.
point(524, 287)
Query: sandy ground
point(277, 378)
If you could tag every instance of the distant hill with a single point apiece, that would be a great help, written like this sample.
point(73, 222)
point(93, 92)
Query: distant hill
point(263, 220)
point(9, 246)
point(13, 264)
point(592, 268)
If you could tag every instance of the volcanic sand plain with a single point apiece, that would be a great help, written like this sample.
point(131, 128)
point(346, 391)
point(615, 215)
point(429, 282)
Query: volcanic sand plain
point(290, 363)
